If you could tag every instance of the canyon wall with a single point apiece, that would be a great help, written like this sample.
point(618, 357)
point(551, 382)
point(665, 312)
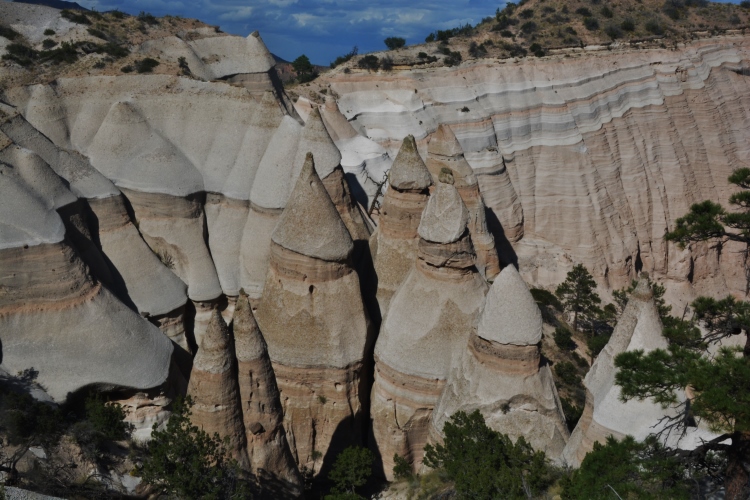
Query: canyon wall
point(585, 158)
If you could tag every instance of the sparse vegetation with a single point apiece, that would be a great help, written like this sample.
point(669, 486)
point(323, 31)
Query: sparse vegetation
point(75, 16)
point(369, 62)
point(351, 470)
point(49, 32)
point(394, 42)
point(346, 57)
point(48, 43)
point(11, 34)
point(146, 65)
point(147, 18)
point(304, 69)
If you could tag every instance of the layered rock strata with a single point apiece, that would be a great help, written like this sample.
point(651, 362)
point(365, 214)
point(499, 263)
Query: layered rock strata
point(501, 374)
point(564, 146)
point(396, 238)
point(604, 414)
point(315, 323)
point(427, 325)
point(56, 319)
point(444, 152)
point(263, 416)
point(271, 191)
point(104, 234)
point(215, 390)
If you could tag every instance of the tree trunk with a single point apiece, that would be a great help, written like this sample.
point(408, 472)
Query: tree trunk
point(575, 321)
point(737, 475)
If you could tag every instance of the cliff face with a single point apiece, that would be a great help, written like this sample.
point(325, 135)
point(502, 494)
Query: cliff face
point(588, 157)
point(131, 204)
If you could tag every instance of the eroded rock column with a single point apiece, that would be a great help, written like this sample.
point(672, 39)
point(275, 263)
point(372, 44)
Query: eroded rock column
point(315, 323)
point(428, 322)
point(403, 204)
point(500, 372)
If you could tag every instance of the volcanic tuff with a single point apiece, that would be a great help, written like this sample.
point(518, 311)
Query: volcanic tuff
point(427, 324)
point(132, 203)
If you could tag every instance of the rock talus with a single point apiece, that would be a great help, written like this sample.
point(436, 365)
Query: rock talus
point(315, 323)
point(427, 324)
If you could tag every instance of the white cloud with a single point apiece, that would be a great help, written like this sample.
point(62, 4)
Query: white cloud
point(238, 14)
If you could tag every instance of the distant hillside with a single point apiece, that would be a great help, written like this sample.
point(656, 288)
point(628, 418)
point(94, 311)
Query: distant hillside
point(57, 4)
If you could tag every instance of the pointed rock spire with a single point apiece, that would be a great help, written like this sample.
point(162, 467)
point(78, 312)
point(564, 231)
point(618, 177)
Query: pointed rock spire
point(315, 139)
point(310, 224)
point(445, 218)
point(510, 314)
point(214, 388)
point(445, 143)
point(267, 446)
point(408, 170)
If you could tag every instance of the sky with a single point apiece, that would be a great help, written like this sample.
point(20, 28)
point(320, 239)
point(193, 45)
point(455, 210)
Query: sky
point(320, 29)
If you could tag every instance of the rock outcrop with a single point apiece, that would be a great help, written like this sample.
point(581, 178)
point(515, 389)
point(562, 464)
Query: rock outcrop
point(215, 390)
point(396, 238)
point(427, 325)
point(500, 372)
point(444, 152)
point(56, 319)
point(604, 414)
point(314, 321)
point(563, 146)
point(263, 416)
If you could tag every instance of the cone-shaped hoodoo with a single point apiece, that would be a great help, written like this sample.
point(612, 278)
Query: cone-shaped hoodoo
point(400, 215)
point(214, 388)
point(267, 446)
point(314, 321)
point(429, 320)
point(500, 373)
point(445, 152)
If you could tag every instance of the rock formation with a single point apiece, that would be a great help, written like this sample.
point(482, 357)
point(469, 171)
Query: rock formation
point(267, 446)
point(445, 152)
point(215, 391)
point(562, 148)
point(396, 238)
point(56, 319)
point(604, 414)
point(500, 372)
point(317, 329)
point(426, 326)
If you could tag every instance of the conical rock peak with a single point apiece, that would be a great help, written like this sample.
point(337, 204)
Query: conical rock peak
point(445, 218)
point(444, 142)
point(408, 170)
point(248, 341)
point(316, 140)
point(214, 354)
point(310, 224)
point(511, 315)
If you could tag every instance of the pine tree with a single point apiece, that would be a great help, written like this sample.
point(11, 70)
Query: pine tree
point(719, 382)
point(577, 294)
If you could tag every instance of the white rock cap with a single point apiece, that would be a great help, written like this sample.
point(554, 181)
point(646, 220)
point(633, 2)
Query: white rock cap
point(310, 224)
point(510, 314)
point(445, 217)
point(408, 170)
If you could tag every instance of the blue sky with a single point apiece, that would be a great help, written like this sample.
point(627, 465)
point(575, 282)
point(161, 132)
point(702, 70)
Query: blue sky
point(321, 29)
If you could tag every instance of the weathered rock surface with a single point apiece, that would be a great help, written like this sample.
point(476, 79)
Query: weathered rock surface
point(563, 147)
point(444, 152)
point(215, 390)
point(313, 318)
point(501, 374)
point(55, 317)
point(263, 416)
point(396, 238)
point(639, 328)
point(425, 328)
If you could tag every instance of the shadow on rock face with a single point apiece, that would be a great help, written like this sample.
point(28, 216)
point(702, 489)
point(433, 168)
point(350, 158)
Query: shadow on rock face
point(504, 248)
